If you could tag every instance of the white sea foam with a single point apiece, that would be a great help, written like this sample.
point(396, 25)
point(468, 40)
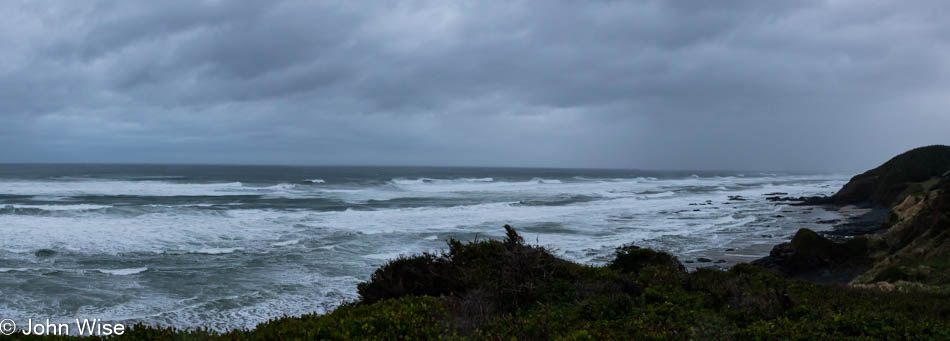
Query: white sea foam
point(217, 250)
point(659, 195)
point(123, 272)
point(316, 181)
point(286, 243)
point(385, 255)
point(17, 269)
point(646, 211)
point(117, 187)
point(74, 207)
point(211, 232)
point(431, 181)
point(153, 232)
point(279, 187)
point(539, 186)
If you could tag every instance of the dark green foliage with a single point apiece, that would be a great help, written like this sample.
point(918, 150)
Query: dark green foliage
point(426, 274)
point(512, 238)
point(885, 185)
point(633, 259)
point(406, 318)
point(743, 292)
point(507, 272)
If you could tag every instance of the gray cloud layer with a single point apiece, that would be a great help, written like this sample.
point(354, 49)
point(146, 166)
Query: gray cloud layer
point(823, 85)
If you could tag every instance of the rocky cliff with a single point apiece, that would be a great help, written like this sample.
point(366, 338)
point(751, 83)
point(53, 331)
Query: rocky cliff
point(888, 184)
point(914, 246)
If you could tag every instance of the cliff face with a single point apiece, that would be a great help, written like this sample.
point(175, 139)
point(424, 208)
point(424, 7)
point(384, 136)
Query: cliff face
point(904, 174)
point(915, 245)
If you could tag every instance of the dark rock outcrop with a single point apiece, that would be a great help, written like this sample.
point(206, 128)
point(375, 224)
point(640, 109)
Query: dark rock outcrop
point(889, 183)
point(803, 201)
point(810, 256)
point(44, 253)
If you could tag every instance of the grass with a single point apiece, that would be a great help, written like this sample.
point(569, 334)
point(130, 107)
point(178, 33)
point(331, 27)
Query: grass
point(916, 247)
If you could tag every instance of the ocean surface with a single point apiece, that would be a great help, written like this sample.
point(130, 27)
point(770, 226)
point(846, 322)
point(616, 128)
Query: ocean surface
point(232, 246)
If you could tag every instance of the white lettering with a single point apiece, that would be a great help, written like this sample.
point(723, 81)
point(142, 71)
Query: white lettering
point(47, 328)
point(96, 327)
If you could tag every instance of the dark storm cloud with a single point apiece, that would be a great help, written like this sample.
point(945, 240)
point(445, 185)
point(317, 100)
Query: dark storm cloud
point(650, 84)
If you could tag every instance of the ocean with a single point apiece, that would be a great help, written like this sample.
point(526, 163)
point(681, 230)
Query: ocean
point(227, 247)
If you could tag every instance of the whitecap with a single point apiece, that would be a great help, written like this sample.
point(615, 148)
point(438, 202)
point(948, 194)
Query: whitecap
point(59, 189)
point(286, 243)
point(431, 181)
point(316, 181)
point(385, 255)
point(281, 186)
point(123, 272)
point(487, 179)
point(404, 181)
point(17, 269)
point(658, 195)
point(76, 207)
point(217, 251)
point(545, 181)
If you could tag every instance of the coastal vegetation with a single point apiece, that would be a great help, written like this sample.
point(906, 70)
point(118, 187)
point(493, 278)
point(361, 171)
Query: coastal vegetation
point(890, 285)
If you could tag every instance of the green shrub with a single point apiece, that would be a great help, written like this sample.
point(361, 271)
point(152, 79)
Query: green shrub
point(426, 274)
point(633, 259)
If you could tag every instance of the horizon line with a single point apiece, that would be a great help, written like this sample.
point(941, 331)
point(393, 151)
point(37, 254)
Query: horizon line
point(225, 164)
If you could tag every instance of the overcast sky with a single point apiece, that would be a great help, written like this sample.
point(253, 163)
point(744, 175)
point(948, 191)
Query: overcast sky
point(759, 85)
